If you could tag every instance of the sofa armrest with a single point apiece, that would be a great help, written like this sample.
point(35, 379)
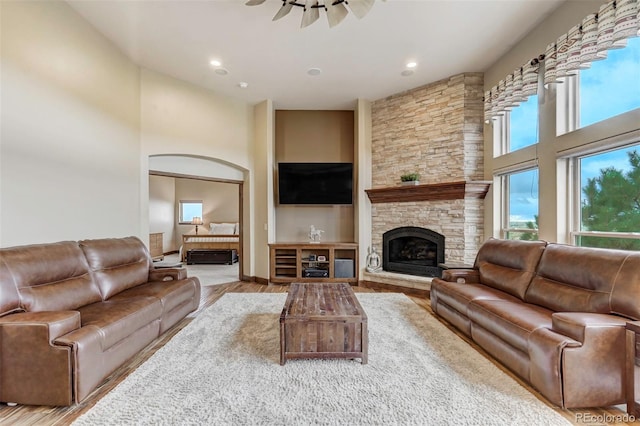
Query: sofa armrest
point(36, 371)
point(167, 274)
point(594, 373)
point(577, 324)
point(54, 323)
point(546, 348)
point(461, 275)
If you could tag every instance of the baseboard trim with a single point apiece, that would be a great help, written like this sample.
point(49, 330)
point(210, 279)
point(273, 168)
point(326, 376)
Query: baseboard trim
point(394, 288)
point(256, 280)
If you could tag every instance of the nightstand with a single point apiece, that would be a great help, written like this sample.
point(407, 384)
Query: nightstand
point(633, 368)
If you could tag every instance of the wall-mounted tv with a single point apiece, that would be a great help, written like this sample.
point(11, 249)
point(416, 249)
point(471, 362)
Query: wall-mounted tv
point(315, 183)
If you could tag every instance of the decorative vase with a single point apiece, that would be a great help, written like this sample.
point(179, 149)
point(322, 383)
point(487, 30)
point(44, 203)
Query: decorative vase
point(410, 183)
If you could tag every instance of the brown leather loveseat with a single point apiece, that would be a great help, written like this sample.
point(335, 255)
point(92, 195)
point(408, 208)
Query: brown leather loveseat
point(73, 312)
point(552, 313)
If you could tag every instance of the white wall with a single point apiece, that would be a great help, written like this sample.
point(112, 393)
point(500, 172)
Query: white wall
point(195, 166)
point(69, 147)
point(219, 204)
point(180, 118)
point(162, 210)
point(263, 211)
point(362, 204)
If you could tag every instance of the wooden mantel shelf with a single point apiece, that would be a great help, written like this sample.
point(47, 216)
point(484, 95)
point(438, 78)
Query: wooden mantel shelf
point(429, 192)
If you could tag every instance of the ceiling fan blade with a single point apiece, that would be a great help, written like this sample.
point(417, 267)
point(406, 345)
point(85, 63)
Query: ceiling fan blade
point(360, 7)
point(284, 10)
point(254, 2)
point(335, 13)
point(310, 14)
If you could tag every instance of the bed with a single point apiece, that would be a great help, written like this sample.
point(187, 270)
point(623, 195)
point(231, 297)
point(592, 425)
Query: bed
point(221, 236)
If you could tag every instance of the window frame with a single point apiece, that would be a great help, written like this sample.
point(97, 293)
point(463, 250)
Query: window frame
point(181, 203)
point(505, 229)
point(575, 182)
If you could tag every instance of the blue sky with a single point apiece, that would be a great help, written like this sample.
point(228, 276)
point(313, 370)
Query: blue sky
point(523, 195)
point(610, 87)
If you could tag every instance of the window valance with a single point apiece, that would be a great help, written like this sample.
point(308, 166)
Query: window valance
point(608, 28)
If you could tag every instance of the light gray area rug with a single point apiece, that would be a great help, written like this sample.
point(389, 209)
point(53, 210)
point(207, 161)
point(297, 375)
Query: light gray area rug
point(223, 369)
point(207, 274)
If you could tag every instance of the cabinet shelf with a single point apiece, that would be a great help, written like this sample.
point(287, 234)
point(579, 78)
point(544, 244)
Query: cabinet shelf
point(290, 260)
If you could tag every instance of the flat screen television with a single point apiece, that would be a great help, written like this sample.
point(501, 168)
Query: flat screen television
point(315, 183)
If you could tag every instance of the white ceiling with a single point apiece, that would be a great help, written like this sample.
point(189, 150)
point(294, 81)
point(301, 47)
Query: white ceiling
point(358, 58)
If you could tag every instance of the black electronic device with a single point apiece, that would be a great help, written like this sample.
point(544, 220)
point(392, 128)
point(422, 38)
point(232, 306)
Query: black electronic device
point(315, 273)
point(315, 183)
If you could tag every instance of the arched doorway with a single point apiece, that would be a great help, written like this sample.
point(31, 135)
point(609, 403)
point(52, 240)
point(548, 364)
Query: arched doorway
point(185, 168)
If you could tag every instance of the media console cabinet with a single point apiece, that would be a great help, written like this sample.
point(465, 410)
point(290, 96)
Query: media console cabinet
point(313, 262)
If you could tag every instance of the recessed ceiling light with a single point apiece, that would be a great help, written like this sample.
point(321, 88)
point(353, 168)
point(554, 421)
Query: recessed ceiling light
point(215, 62)
point(221, 71)
point(412, 64)
point(314, 71)
point(406, 73)
point(243, 85)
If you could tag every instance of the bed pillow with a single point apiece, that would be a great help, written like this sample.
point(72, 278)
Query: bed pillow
point(222, 228)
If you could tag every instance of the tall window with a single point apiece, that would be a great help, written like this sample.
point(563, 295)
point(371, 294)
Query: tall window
point(189, 209)
point(523, 125)
point(611, 86)
point(520, 201)
point(608, 187)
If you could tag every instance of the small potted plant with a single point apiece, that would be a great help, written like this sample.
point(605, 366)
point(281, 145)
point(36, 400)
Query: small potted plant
point(410, 179)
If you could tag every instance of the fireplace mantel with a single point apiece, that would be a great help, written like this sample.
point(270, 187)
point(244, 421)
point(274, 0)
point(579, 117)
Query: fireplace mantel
point(429, 192)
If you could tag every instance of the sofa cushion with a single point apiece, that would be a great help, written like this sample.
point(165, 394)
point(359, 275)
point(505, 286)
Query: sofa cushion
point(47, 277)
point(458, 296)
point(117, 263)
point(170, 293)
point(576, 279)
point(117, 319)
point(509, 265)
point(512, 321)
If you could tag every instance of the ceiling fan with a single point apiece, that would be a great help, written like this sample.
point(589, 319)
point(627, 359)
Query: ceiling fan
point(336, 9)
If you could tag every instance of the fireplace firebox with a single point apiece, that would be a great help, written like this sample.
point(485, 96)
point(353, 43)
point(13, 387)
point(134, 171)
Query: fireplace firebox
point(413, 250)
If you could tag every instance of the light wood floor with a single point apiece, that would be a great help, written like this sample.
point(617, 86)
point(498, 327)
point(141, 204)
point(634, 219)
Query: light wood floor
point(33, 415)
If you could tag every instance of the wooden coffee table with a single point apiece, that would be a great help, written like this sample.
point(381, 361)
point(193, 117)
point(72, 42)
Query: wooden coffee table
point(322, 320)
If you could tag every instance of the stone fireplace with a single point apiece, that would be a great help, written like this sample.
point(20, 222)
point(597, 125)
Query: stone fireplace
point(437, 131)
point(413, 250)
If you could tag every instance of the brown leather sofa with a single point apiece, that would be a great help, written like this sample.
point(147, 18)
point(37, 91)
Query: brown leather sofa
point(554, 314)
point(73, 312)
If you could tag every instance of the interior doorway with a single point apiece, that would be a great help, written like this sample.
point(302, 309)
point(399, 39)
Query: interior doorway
point(212, 206)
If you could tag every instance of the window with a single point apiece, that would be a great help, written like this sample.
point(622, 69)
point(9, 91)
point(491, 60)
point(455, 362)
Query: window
point(189, 210)
point(517, 128)
point(607, 88)
point(523, 124)
point(520, 205)
point(608, 190)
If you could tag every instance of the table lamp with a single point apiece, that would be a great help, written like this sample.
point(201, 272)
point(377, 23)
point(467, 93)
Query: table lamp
point(196, 221)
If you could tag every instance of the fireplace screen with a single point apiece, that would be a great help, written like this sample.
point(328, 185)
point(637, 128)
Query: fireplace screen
point(412, 250)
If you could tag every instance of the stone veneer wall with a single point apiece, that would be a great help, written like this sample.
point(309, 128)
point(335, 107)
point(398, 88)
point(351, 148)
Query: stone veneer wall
point(437, 131)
